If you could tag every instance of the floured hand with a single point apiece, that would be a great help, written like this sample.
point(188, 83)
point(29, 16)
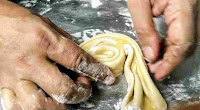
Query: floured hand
point(30, 45)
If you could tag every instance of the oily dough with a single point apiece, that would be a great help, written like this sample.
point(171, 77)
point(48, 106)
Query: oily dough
point(122, 54)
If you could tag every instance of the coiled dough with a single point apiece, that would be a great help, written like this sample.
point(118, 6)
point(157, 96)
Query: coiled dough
point(122, 54)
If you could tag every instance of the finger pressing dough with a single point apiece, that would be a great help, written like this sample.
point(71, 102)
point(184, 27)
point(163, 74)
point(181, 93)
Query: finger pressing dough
point(122, 54)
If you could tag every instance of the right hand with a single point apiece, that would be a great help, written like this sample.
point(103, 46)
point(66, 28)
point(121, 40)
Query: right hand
point(28, 45)
point(180, 18)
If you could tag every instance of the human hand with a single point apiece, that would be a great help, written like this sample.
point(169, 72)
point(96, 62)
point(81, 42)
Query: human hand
point(29, 47)
point(180, 18)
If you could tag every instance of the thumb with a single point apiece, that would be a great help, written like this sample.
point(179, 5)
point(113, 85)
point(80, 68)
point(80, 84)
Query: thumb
point(143, 24)
point(149, 43)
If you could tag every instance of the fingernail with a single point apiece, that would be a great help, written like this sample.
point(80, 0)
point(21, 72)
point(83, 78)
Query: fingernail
point(148, 53)
point(162, 79)
point(84, 80)
point(153, 67)
point(109, 80)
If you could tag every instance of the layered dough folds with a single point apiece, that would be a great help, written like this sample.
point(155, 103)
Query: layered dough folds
point(122, 54)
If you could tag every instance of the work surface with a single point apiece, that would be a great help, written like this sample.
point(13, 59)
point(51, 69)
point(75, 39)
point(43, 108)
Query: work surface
point(86, 18)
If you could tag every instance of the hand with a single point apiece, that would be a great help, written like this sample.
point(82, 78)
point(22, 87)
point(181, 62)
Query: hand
point(180, 18)
point(29, 47)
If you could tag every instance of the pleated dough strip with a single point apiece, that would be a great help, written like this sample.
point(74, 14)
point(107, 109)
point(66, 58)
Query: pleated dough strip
point(149, 87)
point(139, 70)
point(133, 82)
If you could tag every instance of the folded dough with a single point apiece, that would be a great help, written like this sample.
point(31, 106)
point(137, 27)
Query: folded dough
point(122, 54)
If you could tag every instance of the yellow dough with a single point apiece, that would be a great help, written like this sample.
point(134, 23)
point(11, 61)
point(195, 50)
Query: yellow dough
point(122, 54)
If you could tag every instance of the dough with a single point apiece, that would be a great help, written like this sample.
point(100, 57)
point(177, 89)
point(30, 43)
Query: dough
point(122, 54)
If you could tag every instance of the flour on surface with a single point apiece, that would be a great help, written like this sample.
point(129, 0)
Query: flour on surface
point(87, 104)
point(117, 106)
point(60, 98)
point(86, 34)
point(45, 11)
point(2, 105)
point(28, 3)
point(95, 3)
point(186, 90)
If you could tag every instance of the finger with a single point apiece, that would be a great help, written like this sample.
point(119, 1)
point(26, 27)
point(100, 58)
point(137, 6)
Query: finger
point(189, 107)
point(84, 80)
point(28, 95)
point(171, 59)
point(58, 29)
point(73, 57)
point(70, 55)
point(61, 31)
point(143, 24)
point(159, 6)
point(58, 85)
point(31, 98)
point(180, 39)
point(9, 100)
point(154, 66)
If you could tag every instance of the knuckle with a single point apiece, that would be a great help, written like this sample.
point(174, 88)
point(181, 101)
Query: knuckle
point(44, 41)
point(25, 66)
point(97, 71)
point(72, 54)
point(83, 66)
point(65, 97)
point(24, 60)
point(77, 60)
point(157, 10)
point(145, 31)
point(73, 94)
point(79, 93)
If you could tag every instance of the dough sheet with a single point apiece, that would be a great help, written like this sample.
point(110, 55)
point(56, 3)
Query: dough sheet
point(123, 55)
